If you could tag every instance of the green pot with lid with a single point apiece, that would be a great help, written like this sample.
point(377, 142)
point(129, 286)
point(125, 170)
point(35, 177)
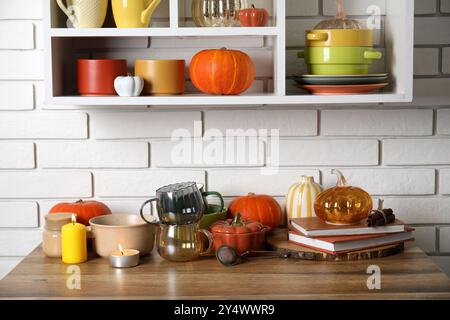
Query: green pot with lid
point(339, 60)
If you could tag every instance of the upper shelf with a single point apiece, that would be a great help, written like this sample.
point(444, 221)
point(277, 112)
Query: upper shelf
point(163, 32)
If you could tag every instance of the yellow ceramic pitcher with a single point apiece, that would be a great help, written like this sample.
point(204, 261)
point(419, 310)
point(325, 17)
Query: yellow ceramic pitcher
point(133, 13)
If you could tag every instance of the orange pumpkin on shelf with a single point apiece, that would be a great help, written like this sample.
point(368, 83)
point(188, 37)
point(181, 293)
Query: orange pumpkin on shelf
point(253, 17)
point(222, 71)
point(257, 207)
point(85, 210)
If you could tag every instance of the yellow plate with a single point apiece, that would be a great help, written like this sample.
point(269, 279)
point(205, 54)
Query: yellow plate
point(339, 38)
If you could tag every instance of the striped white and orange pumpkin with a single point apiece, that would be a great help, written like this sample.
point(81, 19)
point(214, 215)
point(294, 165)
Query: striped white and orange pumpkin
point(300, 198)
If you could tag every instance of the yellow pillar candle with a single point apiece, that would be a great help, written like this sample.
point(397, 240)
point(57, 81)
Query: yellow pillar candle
point(74, 248)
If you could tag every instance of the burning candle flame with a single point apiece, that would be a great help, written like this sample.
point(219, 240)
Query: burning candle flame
point(74, 218)
point(120, 249)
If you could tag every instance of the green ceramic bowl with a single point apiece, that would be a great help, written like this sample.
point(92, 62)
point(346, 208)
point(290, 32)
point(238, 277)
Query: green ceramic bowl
point(212, 215)
point(339, 60)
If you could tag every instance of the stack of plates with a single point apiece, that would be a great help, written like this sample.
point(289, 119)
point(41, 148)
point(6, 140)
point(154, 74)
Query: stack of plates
point(341, 84)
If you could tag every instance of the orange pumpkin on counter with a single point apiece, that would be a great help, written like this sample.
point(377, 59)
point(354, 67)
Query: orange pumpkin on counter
point(253, 17)
point(85, 210)
point(222, 71)
point(242, 235)
point(257, 207)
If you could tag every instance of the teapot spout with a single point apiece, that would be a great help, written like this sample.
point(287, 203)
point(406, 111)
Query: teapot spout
point(147, 13)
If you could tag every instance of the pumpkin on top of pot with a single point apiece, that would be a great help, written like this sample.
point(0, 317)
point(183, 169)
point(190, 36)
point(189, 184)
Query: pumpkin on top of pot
point(257, 207)
point(253, 17)
point(222, 71)
point(85, 210)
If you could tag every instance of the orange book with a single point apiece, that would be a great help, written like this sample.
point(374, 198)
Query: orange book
point(315, 227)
point(342, 244)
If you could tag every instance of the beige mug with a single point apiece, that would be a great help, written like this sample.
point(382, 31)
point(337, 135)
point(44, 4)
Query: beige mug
point(85, 13)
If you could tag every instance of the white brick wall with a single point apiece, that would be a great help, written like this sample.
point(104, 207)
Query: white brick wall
point(16, 155)
point(121, 155)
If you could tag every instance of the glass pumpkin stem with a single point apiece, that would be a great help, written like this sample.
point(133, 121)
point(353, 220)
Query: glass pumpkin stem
point(342, 182)
point(341, 11)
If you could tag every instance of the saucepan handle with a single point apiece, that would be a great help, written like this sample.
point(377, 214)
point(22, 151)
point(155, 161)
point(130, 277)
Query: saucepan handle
point(373, 55)
point(317, 36)
point(143, 206)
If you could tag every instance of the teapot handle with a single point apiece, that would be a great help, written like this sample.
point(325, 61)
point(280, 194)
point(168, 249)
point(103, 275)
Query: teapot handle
point(141, 212)
point(210, 241)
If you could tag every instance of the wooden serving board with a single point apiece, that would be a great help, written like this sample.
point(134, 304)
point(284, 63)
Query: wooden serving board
point(278, 240)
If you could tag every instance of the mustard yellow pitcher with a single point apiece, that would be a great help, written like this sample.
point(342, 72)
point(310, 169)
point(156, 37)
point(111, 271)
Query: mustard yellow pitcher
point(85, 13)
point(133, 13)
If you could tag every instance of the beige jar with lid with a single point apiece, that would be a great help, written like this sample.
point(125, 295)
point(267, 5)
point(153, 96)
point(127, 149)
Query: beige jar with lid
point(51, 240)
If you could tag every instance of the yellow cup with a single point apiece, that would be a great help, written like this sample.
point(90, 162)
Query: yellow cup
point(133, 13)
point(339, 38)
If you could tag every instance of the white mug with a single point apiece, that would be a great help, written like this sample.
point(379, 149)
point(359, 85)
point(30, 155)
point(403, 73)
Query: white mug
point(85, 13)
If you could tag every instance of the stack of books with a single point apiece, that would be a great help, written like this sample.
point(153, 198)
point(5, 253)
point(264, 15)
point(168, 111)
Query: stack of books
point(318, 235)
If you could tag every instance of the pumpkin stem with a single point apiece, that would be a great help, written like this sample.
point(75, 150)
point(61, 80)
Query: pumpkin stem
point(237, 221)
point(129, 74)
point(251, 194)
point(342, 182)
point(79, 201)
point(253, 6)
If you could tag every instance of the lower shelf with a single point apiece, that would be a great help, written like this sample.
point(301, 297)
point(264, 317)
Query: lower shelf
point(207, 100)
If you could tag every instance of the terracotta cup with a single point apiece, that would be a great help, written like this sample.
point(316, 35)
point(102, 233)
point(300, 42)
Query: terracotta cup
point(161, 77)
point(96, 77)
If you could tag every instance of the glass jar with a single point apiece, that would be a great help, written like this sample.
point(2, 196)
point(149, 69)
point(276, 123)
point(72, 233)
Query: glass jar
point(216, 13)
point(51, 237)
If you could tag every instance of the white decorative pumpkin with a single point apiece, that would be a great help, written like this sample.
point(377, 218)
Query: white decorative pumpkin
point(300, 198)
point(128, 86)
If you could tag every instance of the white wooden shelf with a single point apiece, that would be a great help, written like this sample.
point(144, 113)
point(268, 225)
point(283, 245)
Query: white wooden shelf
point(163, 32)
point(62, 48)
point(207, 100)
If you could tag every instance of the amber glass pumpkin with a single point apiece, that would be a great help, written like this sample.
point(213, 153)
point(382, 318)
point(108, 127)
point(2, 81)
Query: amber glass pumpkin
point(257, 207)
point(222, 71)
point(343, 204)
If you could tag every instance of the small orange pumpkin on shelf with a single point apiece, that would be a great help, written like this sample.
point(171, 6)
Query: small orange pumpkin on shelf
point(343, 204)
point(253, 17)
point(257, 207)
point(85, 210)
point(222, 71)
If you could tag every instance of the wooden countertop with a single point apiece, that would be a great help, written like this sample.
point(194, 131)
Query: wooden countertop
point(408, 275)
